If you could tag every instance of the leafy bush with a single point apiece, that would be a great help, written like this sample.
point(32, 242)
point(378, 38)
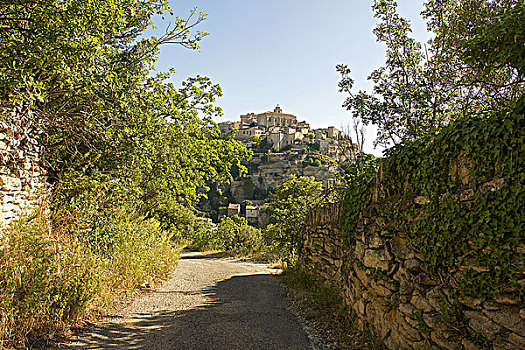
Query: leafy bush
point(288, 208)
point(176, 219)
point(203, 237)
point(234, 234)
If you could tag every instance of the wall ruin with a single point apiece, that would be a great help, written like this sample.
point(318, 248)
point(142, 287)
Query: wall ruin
point(22, 177)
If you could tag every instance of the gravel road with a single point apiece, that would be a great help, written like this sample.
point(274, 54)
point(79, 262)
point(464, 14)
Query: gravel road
point(209, 303)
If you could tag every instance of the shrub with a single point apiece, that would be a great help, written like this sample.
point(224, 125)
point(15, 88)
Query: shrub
point(51, 277)
point(234, 234)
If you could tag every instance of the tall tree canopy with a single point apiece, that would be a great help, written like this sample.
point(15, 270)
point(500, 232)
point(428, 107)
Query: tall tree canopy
point(421, 88)
point(110, 122)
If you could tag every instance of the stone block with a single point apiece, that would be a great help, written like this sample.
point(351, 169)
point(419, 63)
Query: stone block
point(434, 322)
point(391, 285)
point(473, 303)
point(8, 183)
point(359, 250)
point(469, 345)
point(376, 242)
point(376, 259)
point(410, 333)
point(443, 342)
point(406, 287)
point(506, 299)
point(435, 297)
point(482, 324)
point(421, 200)
point(407, 309)
point(362, 276)
point(361, 307)
point(490, 305)
point(421, 303)
point(423, 280)
point(518, 340)
point(412, 265)
point(493, 185)
point(509, 318)
point(380, 289)
point(401, 249)
point(466, 195)
point(422, 345)
point(7, 199)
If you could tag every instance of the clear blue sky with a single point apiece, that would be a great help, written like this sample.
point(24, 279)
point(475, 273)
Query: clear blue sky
point(268, 52)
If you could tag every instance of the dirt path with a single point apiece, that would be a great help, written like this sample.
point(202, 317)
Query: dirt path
point(209, 303)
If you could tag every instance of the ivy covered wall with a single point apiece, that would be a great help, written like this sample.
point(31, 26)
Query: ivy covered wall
point(436, 255)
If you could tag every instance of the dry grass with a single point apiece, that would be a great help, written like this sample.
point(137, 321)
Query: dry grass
point(50, 280)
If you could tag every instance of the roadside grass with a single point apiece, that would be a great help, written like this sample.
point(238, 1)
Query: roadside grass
point(52, 280)
point(325, 310)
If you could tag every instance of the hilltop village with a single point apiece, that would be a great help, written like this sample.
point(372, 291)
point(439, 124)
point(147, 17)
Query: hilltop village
point(281, 147)
point(281, 131)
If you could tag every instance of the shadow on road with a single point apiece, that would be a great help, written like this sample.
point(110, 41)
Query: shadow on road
point(242, 312)
point(204, 257)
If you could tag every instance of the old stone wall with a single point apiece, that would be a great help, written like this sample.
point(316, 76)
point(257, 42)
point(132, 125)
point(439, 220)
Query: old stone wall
point(22, 178)
point(380, 276)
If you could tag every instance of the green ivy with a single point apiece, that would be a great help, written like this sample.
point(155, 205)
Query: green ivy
point(357, 194)
point(480, 234)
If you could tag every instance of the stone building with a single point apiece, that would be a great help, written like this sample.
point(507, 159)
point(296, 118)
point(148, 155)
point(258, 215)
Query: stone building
point(327, 133)
point(246, 133)
point(226, 127)
point(268, 119)
point(234, 209)
point(252, 214)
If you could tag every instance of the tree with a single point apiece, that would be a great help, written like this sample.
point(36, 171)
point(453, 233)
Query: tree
point(498, 47)
point(421, 89)
point(288, 208)
point(112, 127)
point(234, 234)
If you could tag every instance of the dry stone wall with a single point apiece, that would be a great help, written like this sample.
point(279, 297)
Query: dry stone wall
point(22, 178)
point(381, 278)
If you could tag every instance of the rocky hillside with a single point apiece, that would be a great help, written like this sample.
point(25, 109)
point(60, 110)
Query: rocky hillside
point(267, 171)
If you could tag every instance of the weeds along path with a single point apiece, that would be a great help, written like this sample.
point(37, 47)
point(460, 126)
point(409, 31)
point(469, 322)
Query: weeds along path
point(209, 303)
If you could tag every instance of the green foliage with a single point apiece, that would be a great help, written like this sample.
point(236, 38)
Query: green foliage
point(109, 120)
point(255, 138)
point(499, 46)
point(176, 219)
point(234, 234)
point(122, 147)
point(481, 232)
point(288, 208)
point(357, 194)
point(418, 92)
point(45, 282)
